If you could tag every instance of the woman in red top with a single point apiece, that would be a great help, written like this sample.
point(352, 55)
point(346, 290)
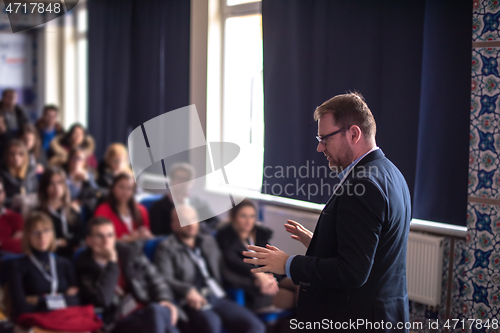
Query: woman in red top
point(131, 219)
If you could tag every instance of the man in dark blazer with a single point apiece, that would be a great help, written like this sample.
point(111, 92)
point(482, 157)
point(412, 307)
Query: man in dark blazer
point(193, 266)
point(353, 275)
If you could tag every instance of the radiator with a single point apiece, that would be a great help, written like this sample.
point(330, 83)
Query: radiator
point(424, 268)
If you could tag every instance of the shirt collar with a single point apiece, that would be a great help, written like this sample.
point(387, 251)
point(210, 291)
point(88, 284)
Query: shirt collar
point(350, 166)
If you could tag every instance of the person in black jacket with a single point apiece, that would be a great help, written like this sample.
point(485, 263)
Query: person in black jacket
point(192, 265)
point(120, 280)
point(18, 176)
point(54, 200)
point(12, 112)
point(355, 265)
point(29, 278)
point(262, 290)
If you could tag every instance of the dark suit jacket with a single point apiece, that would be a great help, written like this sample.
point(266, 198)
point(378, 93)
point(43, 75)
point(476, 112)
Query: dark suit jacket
point(355, 266)
point(97, 284)
point(232, 247)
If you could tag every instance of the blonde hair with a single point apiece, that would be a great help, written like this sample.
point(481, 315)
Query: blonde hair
point(31, 222)
point(117, 149)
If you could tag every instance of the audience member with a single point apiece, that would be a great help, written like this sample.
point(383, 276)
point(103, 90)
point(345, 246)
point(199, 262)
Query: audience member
point(116, 161)
point(180, 175)
point(48, 126)
point(120, 280)
point(261, 289)
point(82, 187)
point(54, 199)
point(5, 135)
point(11, 227)
point(12, 112)
point(37, 156)
point(77, 136)
point(19, 177)
point(41, 281)
point(194, 268)
point(131, 220)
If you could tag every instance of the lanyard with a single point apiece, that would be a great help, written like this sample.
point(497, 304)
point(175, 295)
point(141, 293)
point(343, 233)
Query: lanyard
point(52, 278)
point(64, 222)
point(199, 261)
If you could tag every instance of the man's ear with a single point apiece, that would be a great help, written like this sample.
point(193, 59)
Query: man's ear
point(354, 134)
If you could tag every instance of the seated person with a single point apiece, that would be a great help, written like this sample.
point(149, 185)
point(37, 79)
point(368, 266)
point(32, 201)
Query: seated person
point(19, 177)
point(180, 173)
point(62, 144)
point(261, 289)
point(131, 220)
point(193, 266)
point(31, 280)
point(119, 279)
point(81, 184)
point(12, 112)
point(11, 227)
point(5, 136)
point(116, 161)
point(48, 127)
point(54, 200)
point(37, 157)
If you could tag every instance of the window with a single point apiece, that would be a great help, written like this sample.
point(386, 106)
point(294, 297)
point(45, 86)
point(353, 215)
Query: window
point(235, 109)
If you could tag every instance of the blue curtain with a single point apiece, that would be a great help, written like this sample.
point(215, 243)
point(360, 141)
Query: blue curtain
point(410, 60)
point(138, 64)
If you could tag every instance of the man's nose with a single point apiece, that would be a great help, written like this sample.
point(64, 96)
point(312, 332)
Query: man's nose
point(320, 148)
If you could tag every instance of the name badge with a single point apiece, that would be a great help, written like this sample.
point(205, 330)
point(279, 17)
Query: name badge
point(55, 302)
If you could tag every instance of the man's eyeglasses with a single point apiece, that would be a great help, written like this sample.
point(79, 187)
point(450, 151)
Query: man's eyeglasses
point(324, 137)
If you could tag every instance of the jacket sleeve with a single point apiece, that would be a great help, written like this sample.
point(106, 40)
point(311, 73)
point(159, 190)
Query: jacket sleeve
point(232, 258)
point(164, 262)
point(69, 271)
point(17, 292)
point(158, 289)
point(97, 291)
point(359, 223)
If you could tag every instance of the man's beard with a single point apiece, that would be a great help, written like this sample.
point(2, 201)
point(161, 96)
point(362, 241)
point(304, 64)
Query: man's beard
point(343, 160)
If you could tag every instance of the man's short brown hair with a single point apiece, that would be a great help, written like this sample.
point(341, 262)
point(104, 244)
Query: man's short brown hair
point(349, 109)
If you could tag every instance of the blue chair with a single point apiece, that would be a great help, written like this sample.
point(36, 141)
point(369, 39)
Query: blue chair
point(149, 200)
point(78, 252)
point(151, 245)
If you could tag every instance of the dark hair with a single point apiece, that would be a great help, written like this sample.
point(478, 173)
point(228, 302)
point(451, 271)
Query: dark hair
point(132, 205)
point(6, 91)
point(31, 129)
point(66, 139)
point(233, 212)
point(49, 107)
point(43, 197)
point(347, 110)
point(97, 221)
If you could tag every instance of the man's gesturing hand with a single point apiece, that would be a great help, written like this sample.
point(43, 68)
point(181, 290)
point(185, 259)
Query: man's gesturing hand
point(273, 259)
point(299, 232)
